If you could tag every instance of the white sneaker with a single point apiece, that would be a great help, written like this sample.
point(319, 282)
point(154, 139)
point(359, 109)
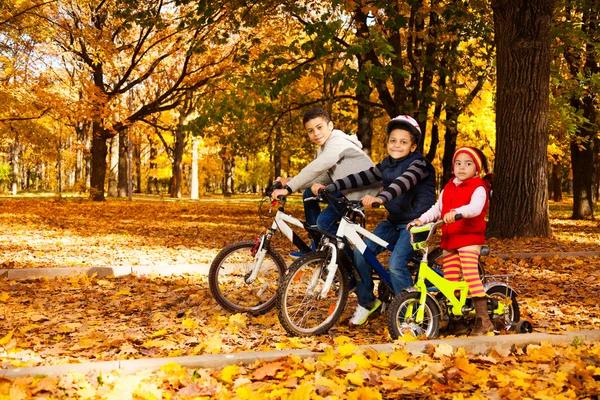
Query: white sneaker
point(362, 314)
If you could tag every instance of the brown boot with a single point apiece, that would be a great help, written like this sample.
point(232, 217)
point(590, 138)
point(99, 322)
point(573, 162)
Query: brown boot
point(483, 325)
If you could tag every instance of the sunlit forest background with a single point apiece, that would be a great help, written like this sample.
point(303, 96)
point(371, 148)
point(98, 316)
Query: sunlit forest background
point(189, 98)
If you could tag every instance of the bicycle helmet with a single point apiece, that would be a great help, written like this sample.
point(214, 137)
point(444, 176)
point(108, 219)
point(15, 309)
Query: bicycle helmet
point(405, 122)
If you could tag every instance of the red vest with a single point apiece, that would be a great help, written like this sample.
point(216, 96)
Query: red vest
point(467, 231)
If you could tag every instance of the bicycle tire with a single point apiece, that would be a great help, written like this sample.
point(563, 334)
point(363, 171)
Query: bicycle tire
point(301, 312)
point(507, 296)
point(402, 312)
point(227, 279)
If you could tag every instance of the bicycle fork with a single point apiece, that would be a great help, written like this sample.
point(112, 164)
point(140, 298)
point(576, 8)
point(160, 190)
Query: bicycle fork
point(331, 269)
point(259, 253)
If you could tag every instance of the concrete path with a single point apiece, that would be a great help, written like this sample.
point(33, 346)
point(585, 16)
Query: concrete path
point(473, 345)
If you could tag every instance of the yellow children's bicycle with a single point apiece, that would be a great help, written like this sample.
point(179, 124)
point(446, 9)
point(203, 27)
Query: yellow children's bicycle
point(434, 302)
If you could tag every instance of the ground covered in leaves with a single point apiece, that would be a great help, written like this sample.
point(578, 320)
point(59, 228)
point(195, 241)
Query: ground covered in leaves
point(536, 372)
point(70, 232)
point(81, 318)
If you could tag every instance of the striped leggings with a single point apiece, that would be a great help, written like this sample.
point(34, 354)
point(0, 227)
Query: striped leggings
point(465, 259)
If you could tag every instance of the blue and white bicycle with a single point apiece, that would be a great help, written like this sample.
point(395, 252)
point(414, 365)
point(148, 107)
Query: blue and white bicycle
point(313, 293)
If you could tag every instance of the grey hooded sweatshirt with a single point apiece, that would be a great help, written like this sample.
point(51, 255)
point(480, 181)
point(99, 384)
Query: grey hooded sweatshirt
point(341, 155)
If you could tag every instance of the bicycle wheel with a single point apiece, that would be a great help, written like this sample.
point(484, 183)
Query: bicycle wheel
point(506, 296)
point(230, 269)
point(301, 311)
point(402, 313)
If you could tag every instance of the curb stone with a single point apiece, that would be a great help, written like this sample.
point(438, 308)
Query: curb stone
point(473, 345)
point(179, 269)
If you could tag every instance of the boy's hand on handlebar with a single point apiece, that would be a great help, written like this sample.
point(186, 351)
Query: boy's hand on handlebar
point(279, 192)
point(284, 181)
point(450, 217)
point(369, 200)
point(316, 187)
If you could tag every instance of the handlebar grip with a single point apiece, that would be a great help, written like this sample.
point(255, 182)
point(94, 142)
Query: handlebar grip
point(277, 185)
point(458, 217)
point(376, 205)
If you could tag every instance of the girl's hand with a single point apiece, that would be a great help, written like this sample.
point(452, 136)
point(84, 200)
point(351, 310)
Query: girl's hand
point(316, 187)
point(369, 200)
point(450, 217)
point(416, 222)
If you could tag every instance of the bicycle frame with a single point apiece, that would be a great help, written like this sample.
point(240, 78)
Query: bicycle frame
point(280, 222)
point(352, 231)
point(446, 287)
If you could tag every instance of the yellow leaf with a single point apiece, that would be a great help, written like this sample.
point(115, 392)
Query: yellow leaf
point(347, 349)
point(303, 392)
point(327, 356)
point(160, 333)
point(4, 341)
point(366, 393)
point(400, 358)
point(464, 365)
point(213, 345)
point(361, 361)
point(237, 322)
point(244, 392)
point(123, 293)
point(340, 340)
point(355, 378)
point(189, 323)
point(171, 367)
point(4, 296)
point(229, 372)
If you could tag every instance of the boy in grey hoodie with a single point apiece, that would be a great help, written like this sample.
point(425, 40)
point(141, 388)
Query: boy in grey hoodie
point(338, 155)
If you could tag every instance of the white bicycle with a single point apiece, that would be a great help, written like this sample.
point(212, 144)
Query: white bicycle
point(245, 275)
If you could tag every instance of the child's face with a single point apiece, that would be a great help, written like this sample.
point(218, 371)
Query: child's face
point(318, 130)
point(400, 144)
point(464, 167)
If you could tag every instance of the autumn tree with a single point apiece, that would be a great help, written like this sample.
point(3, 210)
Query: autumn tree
point(522, 34)
point(122, 45)
point(578, 50)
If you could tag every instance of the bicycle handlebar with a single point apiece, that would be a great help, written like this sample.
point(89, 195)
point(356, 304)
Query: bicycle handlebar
point(431, 227)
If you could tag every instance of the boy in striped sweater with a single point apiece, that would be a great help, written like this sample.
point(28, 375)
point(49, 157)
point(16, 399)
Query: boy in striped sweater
point(408, 191)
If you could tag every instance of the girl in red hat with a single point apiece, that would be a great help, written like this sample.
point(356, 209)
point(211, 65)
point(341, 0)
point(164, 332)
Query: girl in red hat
point(466, 194)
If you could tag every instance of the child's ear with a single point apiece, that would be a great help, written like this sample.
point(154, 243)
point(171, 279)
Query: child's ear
point(413, 148)
point(330, 125)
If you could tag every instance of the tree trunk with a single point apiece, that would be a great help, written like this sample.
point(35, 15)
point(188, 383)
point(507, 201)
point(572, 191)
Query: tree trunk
point(522, 34)
point(228, 166)
point(98, 170)
point(557, 181)
point(582, 162)
point(178, 148)
point(14, 161)
point(365, 116)
point(123, 164)
point(194, 189)
point(152, 180)
point(113, 174)
point(449, 143)
point(137, 156)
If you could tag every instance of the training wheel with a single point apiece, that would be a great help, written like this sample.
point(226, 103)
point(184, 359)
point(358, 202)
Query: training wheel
point(524, 326)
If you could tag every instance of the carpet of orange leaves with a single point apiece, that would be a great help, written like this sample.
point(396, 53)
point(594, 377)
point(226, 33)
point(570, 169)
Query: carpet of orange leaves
point(81, 318)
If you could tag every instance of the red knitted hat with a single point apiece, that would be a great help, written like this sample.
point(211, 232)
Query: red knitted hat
point(472, 153)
